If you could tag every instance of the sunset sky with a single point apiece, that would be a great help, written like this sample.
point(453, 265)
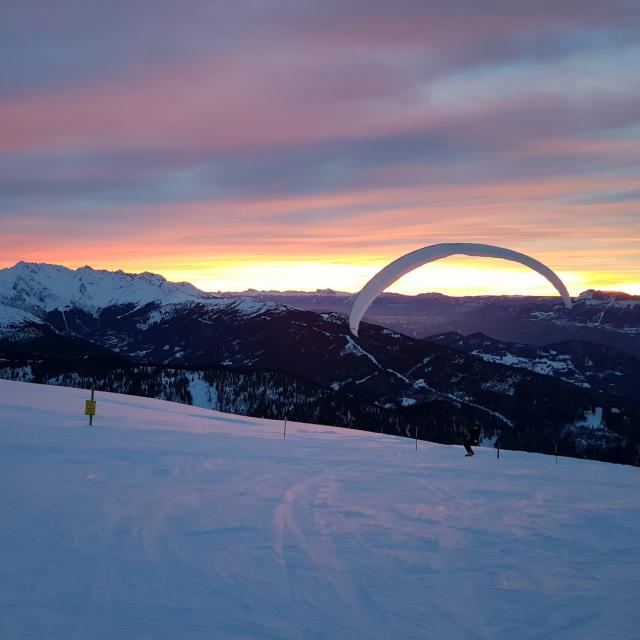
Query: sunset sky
point(293, 144)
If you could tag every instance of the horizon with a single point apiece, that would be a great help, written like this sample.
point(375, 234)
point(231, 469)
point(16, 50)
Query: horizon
point(248, 290)
point(306, 145)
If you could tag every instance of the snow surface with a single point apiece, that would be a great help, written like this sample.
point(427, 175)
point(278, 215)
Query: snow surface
point(554, 365)
point(165, 522)
point(10, 317)
point(592, 419)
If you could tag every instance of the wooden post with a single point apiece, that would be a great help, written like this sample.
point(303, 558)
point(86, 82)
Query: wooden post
point(287, 408)
point(93, 391)
point(416, 437)
point(556, 453)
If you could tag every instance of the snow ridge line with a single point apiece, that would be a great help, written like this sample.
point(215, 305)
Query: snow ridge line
point(450, 396)
point(356, 349)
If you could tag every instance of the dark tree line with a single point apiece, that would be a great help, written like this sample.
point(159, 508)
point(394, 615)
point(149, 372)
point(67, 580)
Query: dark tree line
point(263, 394)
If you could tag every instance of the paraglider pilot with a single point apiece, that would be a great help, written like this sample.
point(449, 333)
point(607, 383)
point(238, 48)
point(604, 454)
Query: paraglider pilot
point(473, 438)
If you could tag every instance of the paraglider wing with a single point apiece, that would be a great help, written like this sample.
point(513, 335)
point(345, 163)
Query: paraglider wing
point(403, 265)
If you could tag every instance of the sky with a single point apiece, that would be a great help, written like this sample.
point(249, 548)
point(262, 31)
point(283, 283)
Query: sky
point(289, 144)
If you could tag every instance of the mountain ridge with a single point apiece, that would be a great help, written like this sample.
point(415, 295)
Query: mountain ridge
point(39, 288)
point(611, 318)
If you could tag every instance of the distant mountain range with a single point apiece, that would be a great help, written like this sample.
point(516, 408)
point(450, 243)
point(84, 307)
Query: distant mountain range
point(113, 322)
point(604, 317)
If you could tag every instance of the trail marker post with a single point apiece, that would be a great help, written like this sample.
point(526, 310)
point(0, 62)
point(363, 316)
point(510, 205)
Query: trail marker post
point(286, 409)
point(90, 407)
point(416, 437)
point(556, 445)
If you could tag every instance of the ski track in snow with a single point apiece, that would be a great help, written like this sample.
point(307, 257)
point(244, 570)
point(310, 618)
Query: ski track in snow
point(165, 522)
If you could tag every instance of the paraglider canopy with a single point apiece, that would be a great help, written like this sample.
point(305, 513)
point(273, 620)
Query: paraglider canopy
point(403, 265)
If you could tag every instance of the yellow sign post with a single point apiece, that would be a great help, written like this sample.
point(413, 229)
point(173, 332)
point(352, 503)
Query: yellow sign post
point(90, 407)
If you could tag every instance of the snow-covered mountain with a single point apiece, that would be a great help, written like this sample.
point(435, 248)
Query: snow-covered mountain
point(168, 522)
point(38, 289)
point(50, 309)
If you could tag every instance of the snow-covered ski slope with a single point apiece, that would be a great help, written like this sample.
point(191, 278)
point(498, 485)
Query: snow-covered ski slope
point(170, 522)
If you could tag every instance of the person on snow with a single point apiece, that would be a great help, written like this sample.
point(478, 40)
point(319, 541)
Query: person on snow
point(473, 438)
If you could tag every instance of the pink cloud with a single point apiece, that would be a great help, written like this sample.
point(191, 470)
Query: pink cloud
point(242, 103)
point(217, 104)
